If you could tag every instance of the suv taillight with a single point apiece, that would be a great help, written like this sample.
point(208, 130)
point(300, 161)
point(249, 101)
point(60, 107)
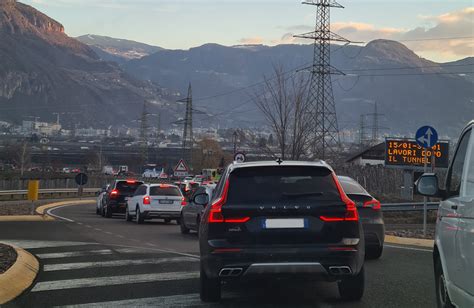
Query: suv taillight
point(215, 213)
point(351, 209)
point(373, 204)
point(183, 201)
point(114, 193)
point(146, 200)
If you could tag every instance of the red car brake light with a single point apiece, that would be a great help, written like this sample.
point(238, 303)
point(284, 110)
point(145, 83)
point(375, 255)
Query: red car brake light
point(183, 201)
point(146, 200)
point(351, 209)
point(114, 193)
point(215, 213)
point(131, 181)
point(373, 204)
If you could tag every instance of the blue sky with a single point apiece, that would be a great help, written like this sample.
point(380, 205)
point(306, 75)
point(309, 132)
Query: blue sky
point(181, 24)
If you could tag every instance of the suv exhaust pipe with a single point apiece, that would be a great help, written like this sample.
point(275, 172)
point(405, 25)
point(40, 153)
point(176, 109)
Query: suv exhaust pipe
point(230, 272)
point(340, 270)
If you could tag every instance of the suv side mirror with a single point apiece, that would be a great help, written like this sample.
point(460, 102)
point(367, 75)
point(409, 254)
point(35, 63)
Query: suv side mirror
point(427, 185)
point(201, 199)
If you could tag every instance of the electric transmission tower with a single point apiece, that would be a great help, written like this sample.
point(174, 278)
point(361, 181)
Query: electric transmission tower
point(326, 131)
point(188, 139)
point(376, 128)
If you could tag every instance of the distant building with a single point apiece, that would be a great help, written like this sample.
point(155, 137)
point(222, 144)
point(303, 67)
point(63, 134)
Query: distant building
point(44, 128)
point(374, 155)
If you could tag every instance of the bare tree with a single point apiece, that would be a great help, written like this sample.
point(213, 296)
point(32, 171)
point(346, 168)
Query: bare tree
point(18, 154)
point(287, 110)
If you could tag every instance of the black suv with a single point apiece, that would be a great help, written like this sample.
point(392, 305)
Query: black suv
point(280, 220)
point(114, 200)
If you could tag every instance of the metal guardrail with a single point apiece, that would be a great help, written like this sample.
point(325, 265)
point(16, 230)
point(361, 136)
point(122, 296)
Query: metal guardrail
point(408, 207)
point(44, 193)
point(20, 194)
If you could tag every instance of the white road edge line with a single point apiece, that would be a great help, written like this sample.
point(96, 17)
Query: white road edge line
point(111, 281)
point(407, 248)
point(57, 216)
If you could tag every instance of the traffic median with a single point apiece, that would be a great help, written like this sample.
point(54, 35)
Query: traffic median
point(19, 275)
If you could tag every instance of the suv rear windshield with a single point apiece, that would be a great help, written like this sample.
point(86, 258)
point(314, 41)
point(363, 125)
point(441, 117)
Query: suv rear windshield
point(164, 191)
point(127, 187)
point(270, 184)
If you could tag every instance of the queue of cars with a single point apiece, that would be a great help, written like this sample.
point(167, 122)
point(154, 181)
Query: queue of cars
point(298, 220)
point(277, 219)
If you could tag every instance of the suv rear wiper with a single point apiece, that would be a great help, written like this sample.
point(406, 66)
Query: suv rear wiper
point(303, 194)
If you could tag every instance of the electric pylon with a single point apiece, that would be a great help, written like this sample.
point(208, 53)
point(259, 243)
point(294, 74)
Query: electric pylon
point(326, 141)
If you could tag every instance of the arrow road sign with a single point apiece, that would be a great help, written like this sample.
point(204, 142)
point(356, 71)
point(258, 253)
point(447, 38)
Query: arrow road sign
point(239, 157)
point(427, 137)
point(81, 179)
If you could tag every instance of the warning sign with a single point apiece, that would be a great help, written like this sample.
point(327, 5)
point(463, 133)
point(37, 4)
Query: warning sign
point(406, 153)
point(181, 169)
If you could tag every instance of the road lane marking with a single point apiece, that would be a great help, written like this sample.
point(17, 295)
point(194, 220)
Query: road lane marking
point(97, 229)
point(111, 281)
point(73, 254)
point(49, 212)
point(184, 300)
point(408, 248)
point(114, 263)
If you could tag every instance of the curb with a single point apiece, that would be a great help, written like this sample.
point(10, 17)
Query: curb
point(42, 210)
point(25, 218)
point(409, 241)
point(19, 276)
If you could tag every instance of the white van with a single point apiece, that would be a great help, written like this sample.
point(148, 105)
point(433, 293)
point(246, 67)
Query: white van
point(453, 253)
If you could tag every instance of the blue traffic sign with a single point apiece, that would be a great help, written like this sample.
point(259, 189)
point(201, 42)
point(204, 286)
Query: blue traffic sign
point(427, 137)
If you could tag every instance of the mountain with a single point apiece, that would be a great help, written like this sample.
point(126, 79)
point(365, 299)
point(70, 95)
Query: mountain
point(467, 64)
point(410, 90)
point(42, 71)
point(118, 50)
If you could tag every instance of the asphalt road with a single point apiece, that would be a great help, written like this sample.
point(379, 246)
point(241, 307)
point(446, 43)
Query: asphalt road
point(97, 262)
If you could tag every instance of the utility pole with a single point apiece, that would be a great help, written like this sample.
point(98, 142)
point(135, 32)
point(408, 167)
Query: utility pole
point(188, 139)
point(362, 134)
point(326, 131)
point(234, 140)
point(143, 135)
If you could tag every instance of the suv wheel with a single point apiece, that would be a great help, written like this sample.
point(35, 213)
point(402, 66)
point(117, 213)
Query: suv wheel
point(373, 252)
point(210, 289)
point(352, 288)
point(139, 219)
point(108, 212)
point(442, 296)
point(128, 217)
point(182, 226)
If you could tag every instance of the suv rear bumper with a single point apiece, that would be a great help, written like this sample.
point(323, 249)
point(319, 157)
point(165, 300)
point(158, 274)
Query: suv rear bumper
point(315, 263)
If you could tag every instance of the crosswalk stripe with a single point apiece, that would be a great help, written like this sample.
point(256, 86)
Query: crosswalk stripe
point(184, 300)
point(27, 244)
point(71, 254)
point(111, 281)
point(102, 264)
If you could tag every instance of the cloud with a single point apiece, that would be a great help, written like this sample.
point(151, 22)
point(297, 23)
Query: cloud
point(252, 40)
point(458, 24)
